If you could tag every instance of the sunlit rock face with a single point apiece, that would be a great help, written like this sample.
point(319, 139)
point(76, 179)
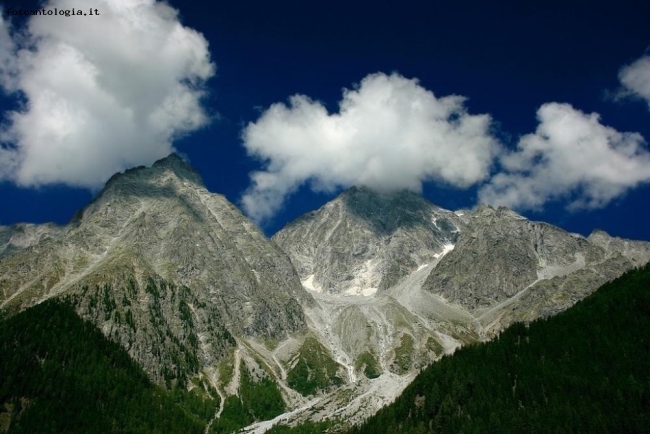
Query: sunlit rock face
point(363, 242)
point(161, 265)
point(506, 268)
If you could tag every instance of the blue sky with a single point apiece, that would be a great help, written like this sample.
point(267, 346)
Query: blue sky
point(525, 135)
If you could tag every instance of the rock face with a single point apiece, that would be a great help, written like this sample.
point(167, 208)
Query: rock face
point(438, 278)
point(503, 260)
point(363, 241)
point(161, 265)
point(22, 235)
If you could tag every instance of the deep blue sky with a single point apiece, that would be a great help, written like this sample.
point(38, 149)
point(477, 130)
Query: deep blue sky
point(507, 59)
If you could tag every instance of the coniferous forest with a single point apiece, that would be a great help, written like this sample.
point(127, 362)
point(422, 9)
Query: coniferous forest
point(60, 374)
point(584, 370)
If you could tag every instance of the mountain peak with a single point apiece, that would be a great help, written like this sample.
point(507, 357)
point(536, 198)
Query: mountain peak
point(145, 181)
point(367, 191)
point(172, 163)
point(173, 160)
point(180, 167)
point(386, 212)
point(377, 238)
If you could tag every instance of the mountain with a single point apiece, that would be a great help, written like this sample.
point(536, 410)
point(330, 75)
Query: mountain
point(331, 318)
point(399, 282)
point(162, 266)
point(584, 370)
point(362, 241)
point(506, 268)
point(494, 264)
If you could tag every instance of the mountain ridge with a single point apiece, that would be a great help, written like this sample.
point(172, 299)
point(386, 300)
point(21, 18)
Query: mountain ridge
point(167, 249)
point(336, 313)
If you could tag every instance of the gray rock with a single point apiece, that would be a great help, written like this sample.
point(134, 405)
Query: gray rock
point(365, 241)
point(162, 266)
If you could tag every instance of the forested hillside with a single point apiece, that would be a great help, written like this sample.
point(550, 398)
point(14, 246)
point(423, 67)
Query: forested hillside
point(584, 370)
point(59, 374)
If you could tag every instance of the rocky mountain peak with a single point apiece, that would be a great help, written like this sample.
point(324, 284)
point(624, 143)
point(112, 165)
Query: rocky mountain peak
point(386, 212)
point(490, 212)
point(166, 178)
point(179, 262)
point(172, 166)
point(364, 241)
point(180, 167)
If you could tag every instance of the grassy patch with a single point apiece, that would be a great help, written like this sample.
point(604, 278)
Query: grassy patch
point(315, 370)
point(367, 364)
point(271, 344)
point(404, 353)
point(226, 367)
point(434, 346)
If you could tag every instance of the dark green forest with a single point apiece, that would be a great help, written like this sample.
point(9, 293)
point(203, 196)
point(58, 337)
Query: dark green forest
point(584, 370)
point(259, 400)
point(59, 374)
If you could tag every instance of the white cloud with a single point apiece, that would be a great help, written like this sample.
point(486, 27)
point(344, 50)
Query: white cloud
point(390, 133)
point(102, 93)
point(570, 156)
point(7, 48)
point(635, 78)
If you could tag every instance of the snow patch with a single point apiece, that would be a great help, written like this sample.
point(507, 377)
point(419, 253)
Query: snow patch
point(445, 249)
point(459, 214)
point(434, 219)
point(308, 283)
point(422, 267)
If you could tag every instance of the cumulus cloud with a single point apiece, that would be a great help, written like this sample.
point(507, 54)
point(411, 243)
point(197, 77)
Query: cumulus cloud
point(635, 79)
point(570, 156)
point(100, 93)
point(389, 133)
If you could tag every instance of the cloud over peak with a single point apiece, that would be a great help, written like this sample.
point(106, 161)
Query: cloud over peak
point(390, 133)
point(102, 93)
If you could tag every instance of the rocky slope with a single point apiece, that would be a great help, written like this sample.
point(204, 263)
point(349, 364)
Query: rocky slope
point(506, 268)
point(399, 281)
point(162, 266)
point(362, 241)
